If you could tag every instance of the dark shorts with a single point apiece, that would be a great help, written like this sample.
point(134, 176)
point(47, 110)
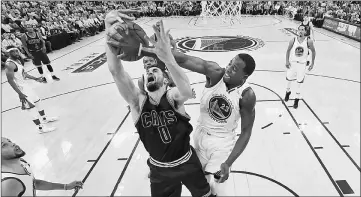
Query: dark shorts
point(40, 57)
point(167, 182)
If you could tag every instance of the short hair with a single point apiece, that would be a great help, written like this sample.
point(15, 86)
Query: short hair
point(249, 61)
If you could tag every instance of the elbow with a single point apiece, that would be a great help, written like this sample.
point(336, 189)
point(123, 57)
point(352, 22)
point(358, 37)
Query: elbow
point(189, 94)
point(185, 91)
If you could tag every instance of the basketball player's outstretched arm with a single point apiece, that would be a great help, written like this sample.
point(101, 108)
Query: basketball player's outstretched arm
point(162, 49)
point(122, 79)
point(45, 185)
point(247, 105)
point(208, 68)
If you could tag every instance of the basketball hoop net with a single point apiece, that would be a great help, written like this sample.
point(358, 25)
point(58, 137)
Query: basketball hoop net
point(226, 10)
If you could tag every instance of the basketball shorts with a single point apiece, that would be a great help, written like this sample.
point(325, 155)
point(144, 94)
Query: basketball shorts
point(39, 58)
point(297, 71)
point(167, 182)
point(213, 149)
point(31, 98)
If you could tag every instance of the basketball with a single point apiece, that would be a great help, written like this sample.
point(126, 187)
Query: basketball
point(132, 35)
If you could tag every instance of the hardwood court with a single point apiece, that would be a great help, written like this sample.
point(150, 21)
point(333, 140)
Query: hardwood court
point(314, 150)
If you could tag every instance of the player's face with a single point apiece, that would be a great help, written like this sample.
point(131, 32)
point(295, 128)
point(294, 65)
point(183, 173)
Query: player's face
point(9, 150)
point(301, 31)
point(234, 71)
point(154, 79)
point(14, 54)
point(149, 61)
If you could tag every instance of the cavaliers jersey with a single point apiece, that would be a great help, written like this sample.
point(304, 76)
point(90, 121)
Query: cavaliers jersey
point(34, 44)
point(307, 28)
point(299, 51)
point(26, 179)
point(164, 131)
point(219, 108)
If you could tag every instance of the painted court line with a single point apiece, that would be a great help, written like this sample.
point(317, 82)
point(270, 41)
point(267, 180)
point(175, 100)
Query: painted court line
point(332, 136)
point(307, 141)
point(101, 153)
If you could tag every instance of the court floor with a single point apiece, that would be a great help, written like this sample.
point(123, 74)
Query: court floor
point(313, 150)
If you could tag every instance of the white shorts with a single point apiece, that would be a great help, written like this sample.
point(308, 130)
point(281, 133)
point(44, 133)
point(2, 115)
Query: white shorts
point(31, 97)
point(212, 150)
point(297, 71)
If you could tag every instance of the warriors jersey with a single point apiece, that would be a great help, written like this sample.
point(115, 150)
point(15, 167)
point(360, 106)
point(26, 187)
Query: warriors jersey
point(19, 80)
point(33, 44)
point(26, 179)
point(18, 73)
point(299, 51)
point(164, 131)
point(219, 108)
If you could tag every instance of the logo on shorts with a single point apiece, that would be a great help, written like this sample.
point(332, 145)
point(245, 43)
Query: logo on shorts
point(219, 43)
point(220, 108)
point(299, 51)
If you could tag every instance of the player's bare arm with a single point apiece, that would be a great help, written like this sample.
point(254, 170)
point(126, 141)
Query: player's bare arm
point(162, 49)
point(311, 46)
point(210, 69)
point(27, 75)
point(122, 79)
point(11, 187)
point(248, 113)
point(45, 185)
point(290, 45)
point(9, 70)
point(42, 42)
point(25, 45)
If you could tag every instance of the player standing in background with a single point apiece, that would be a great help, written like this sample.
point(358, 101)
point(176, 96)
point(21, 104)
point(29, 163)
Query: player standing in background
point(296, 62)
point(29, 100)
point(34, 46)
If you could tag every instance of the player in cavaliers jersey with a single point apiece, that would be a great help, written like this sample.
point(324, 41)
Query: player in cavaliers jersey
point(226, 99)
point(309, 33)
point(17, 178)
point(29, 100)
point(308, 27)
point(296, 62)
point(34, 45)
point(161, 120)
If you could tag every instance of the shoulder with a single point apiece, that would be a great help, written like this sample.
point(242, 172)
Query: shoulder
point(10, 66)
point(292, 40)
point(248, 100)
point(12, 185)
point(309, 41)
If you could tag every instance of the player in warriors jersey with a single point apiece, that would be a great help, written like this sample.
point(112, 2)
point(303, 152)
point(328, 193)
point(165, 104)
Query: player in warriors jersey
point(17, 178)
point(161, 120)
point(296, 62)
point(226, 99)
point(34, 45)
point(29, 100)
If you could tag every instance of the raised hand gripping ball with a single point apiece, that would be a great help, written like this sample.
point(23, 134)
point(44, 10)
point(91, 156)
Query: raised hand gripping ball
point(128, 35)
